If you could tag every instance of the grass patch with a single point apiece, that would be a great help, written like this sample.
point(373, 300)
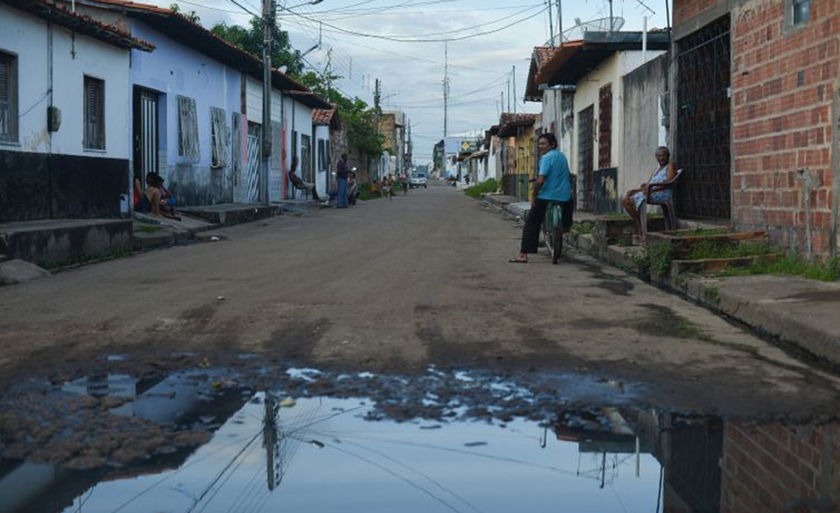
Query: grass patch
point(81, 260)
point(582, 228)
point(654, 261)
point(790, 266)
point(727, 249)
point(366, 194)
point(149, 229)
point(487, 187)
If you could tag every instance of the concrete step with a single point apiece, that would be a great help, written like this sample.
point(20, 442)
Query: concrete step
point(231, 214)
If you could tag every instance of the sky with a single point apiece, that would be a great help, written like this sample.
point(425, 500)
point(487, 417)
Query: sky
point(412, 73)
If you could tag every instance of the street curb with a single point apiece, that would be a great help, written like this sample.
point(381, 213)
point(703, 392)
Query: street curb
point(786, 330)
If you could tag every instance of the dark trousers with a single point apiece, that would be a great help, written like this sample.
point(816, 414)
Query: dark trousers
point(534, 221)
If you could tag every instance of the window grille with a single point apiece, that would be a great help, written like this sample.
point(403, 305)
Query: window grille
point(94, 105)
point(8, 98)
point(236, 147)
point(801, 11)
point(220, 138)
point(188, 129)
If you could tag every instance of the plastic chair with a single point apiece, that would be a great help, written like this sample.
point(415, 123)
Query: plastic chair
point(668, 209)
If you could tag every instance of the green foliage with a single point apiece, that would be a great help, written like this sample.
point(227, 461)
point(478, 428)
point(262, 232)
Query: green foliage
point(366, 194)
point(487, 187)
point(728, 249)
point(251, 39)
point(356, 116)
point(790, 266)
point(192, 15)
point(654, 262)
point(582, 228)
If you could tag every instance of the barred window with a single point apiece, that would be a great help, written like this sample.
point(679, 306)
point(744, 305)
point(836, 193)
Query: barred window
point(94, 105)
point(801, 11)
point(8, 98)
point(188, 129)
point(220, 138)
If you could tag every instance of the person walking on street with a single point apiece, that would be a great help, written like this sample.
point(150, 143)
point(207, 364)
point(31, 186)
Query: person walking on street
point(341, 175)
point(553, 185)
point(404, 183)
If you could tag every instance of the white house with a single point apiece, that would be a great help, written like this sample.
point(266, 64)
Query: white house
point(197, 111)
point(64, 113)
point(583, 98)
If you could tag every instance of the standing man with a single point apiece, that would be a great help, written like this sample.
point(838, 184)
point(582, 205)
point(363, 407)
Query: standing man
point(341, 175)
point(553, 185)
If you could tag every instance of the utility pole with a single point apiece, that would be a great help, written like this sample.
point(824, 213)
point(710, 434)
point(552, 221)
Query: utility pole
point(376, 117)
point(329, 74)
point(445, 89)
point(611, 16)
point(560, 22)
point(508, 95)
point(270, 440)
point(550, 25)
point(514, 89)
point(268, 25)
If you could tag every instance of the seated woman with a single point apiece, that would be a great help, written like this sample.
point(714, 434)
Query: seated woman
point(635, 198)
point(147, 201)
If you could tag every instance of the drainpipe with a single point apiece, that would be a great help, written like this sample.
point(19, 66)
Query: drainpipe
point(49, 105)
point(835, 168)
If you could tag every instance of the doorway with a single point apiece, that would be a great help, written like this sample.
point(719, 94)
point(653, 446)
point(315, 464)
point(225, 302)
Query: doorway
point(703, 123)
point(586, 156)
point(145, 133)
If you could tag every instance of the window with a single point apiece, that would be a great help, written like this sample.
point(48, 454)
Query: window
point(94, 135)
point(8, 98)
point(187, 129)
point(801, 11)
point(219, 138)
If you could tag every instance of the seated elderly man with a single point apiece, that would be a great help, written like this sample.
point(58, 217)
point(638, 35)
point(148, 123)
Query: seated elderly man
point(635, 198)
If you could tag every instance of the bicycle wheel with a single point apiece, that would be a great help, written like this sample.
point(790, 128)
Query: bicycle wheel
point(557, 233)
point(548, 232)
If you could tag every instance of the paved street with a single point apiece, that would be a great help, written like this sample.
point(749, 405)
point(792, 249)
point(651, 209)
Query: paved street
point(396, 286)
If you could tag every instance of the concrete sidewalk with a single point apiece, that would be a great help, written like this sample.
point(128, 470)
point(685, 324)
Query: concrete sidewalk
point(799, 313)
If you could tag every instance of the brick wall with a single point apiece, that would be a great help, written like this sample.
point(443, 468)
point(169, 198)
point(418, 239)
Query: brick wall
point(783, 80)
point(782, 86)
point(775, 468)
point(684, 10)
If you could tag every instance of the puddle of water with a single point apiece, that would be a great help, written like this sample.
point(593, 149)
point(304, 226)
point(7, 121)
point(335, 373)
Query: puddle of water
point(207, 444)
point(324, 455)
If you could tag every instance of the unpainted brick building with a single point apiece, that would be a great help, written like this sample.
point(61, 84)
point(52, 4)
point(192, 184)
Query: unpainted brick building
point(755, 97)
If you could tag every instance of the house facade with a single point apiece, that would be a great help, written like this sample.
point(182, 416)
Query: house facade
point(583, 82)
point(64, 111)
point(518, 135)
point(765, 73)
point(197, 112)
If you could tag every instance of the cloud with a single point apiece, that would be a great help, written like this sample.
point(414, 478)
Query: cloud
point(412, 73)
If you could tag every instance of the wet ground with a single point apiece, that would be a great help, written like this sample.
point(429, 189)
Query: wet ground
point(300, 439)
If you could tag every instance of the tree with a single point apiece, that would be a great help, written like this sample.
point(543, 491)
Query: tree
point(192, 15)
point(357, 116)
point(250, 39)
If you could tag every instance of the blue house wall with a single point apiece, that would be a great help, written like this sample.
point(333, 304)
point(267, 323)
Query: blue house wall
point(172, 70)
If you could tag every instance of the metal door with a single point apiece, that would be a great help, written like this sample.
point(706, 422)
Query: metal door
point(703, 122)
point(586, 155)
point(254, 163)
point(145, 133)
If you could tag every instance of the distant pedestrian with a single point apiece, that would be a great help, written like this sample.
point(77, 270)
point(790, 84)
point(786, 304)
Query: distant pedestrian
point(387, 187)
point(341, 175)
point(404, 183)
point(352, 188)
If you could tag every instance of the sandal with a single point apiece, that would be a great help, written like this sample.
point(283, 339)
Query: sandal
point(517, 261)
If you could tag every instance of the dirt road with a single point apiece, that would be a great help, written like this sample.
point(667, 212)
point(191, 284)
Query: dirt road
point(396, 286)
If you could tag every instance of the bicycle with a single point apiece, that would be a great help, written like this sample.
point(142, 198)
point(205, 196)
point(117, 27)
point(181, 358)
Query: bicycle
point(553, 230)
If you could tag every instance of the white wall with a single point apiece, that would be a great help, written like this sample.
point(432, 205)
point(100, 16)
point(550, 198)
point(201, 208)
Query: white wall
point(322, 133)
point(588, 89)
point(26, 36)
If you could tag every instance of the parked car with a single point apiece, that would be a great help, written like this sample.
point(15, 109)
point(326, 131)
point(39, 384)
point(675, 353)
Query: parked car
point(418, 180)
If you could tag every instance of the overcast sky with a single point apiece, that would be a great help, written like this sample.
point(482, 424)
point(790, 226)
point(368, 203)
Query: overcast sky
point(412, 72)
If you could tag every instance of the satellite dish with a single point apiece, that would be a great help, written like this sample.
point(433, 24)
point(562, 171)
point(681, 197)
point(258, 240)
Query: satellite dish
point(582, 27)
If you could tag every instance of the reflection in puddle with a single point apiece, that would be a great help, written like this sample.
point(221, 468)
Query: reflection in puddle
point(318, 454)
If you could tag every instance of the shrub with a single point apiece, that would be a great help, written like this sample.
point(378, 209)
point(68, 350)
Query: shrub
point(487, 187)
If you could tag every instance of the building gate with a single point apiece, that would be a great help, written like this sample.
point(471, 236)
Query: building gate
point(703, 122)
point(586, 156)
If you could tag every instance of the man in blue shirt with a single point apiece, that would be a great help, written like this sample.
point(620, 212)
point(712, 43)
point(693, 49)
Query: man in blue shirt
point(553, 185)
